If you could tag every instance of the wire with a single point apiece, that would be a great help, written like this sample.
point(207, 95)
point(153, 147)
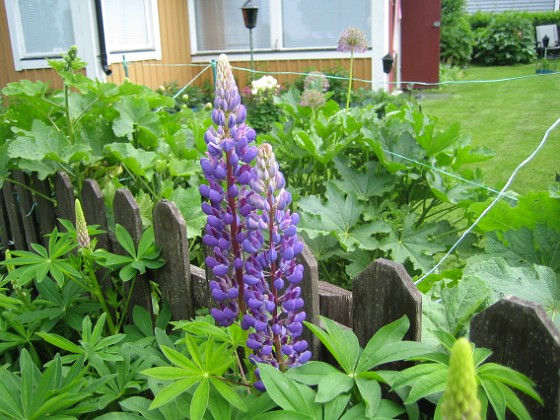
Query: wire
point(180, 91)
point(493, 203)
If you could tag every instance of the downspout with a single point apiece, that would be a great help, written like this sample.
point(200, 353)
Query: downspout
point(101, 37)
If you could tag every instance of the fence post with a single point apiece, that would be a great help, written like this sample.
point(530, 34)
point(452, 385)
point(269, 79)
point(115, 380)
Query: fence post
point(383, 293)
point(127, 214)
point(522, 337)
point(95, 211)
point(13, 216)
point(46, 215)
point(65, 197)
point(27, 209)
point(335, 303)
point(174, 277)
point(310, 295)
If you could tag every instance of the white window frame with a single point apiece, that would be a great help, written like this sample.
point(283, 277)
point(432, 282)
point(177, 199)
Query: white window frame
point(85, 37)
point(277, 52)
point(153, 52)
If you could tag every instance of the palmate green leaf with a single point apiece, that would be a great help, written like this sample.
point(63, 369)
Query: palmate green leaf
point(537, 284)
point(371, 182)
point(532, 209)
point(140, 162)
point(125, 240)
point(342, 343)
point(135, 114)
point(335, 407)
point(412, 374)
point(178, 359)
point(311, 373)
point(338, 216)
point(463, 300)
point(332, 385)
point(495, 396)
point(435, 141)
point(44, 143)
point(188, 202)
point(10, 385)
point(26, 88)
point(416, 245)
point(386, 335)
point(288, 394)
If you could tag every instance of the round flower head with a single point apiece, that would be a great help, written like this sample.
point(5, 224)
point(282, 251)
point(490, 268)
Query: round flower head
point(313, 99)
point(352, 40)
point(316, 81)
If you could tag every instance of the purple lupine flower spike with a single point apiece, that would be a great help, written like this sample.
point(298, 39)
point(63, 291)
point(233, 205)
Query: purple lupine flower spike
point(227, 170)
point(251, 235)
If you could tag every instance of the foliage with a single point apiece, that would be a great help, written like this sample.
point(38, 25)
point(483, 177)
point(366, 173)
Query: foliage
point(368, 187)
point(190, 96)
point(338, 81)
point(508, 39)
point(456, 39)
point(483, 19)
point(428, 380)
point(119, 135)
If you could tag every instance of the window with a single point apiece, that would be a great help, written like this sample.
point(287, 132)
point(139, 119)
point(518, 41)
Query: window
point(131, 28)
point(282, 25)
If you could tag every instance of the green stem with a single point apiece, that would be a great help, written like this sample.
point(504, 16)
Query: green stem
point(126, 304)
point(98, 293)
point(350, 80)
point(67, 110)
point(20, 184)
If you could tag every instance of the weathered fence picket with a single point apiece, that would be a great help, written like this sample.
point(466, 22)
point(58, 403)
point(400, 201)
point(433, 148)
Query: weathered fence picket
point(519, 333)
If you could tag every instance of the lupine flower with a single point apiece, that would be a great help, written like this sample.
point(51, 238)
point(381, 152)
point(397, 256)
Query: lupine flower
point(316, 81)
point(460, 396)
point(313, 99)
point(228, 172)
point(352, 40)
point(251, 235)
point(81, 227)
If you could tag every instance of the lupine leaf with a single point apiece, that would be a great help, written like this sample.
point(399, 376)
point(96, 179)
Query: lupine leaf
point(332, 385)
point(199, 402)
point(335, 407)
point(429, 384)
point(173, 391)
point(287, 393)
point(495, 396)
point(371, 394)
point(311, 373)
point(509, 377)
point(229, 394)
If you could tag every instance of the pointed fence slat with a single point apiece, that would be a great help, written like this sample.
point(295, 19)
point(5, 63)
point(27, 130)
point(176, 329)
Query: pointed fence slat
point(127, 214)
point(66, 207)
point(4, 223)
point(201, 290)
point(46, 216)
point(383, 293)
point(335, 303)
point(95, 211)
point(26, 206)
point(175, 276)
point(17, 232)
point(521, 336)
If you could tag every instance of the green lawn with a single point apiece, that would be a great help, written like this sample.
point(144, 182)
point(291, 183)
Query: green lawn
point(510, 117)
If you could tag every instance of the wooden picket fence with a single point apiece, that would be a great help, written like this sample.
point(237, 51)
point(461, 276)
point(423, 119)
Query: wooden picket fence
point(519, 333)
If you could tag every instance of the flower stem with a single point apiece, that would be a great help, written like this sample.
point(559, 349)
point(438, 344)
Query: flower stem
point(350, 81)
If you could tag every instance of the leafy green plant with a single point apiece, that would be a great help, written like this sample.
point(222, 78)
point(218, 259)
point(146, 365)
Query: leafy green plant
point(355, 386)
point(428, 379)
point(456, 43)
point(508, 39)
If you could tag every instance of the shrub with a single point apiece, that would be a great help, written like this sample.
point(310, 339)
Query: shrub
point(508, 39)
point(456, 35)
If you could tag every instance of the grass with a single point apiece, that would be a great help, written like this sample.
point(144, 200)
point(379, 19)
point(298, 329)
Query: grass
point(510, 117)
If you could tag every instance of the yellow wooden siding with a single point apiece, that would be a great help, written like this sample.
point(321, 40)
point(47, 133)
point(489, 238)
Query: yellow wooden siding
point(176, 57)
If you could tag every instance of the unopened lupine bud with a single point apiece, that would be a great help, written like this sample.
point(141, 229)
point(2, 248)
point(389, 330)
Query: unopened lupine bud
point(460, 401)
point(8, 257)
point(81, 227)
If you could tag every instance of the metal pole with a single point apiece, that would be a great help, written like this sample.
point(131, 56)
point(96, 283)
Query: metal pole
point(251, 48)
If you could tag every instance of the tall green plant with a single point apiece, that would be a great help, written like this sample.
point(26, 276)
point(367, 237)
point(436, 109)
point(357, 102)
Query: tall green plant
point(456, 39)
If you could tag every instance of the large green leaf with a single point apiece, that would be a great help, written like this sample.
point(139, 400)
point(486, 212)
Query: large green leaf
point(333, 384)
point(530, 210)
point(537, 284)
point(409, 243)
point(135, 115)
point(371, 182)
point(138, 161)
point(188, 203)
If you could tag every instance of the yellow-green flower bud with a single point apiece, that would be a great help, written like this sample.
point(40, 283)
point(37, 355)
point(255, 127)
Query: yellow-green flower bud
point(460, 401)
point(81, 227)
point(8, 256)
